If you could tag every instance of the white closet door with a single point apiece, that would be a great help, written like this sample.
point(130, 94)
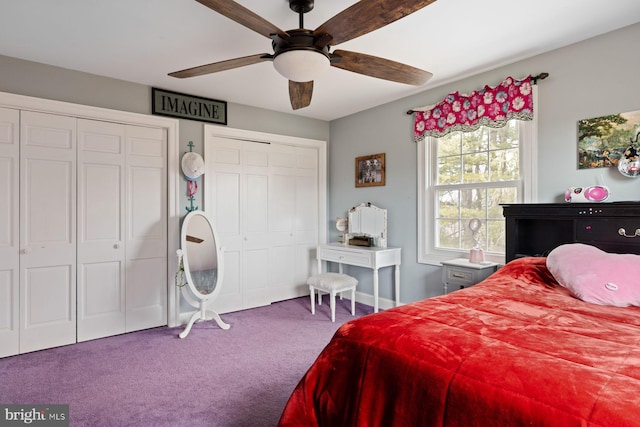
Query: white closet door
point(47, 231)
point(101, 229)
point(146, 228)
point(9, 226)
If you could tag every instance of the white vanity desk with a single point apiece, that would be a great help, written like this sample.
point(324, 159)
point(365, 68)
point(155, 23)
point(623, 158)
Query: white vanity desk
point(361, 256)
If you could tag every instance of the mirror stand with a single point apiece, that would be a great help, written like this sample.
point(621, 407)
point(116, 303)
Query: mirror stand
point(202, 314)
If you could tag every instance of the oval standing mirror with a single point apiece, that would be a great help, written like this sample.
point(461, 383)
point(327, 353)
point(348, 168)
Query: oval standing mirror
point(202, 263)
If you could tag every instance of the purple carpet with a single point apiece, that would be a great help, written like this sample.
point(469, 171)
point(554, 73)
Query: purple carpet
point(239, 377)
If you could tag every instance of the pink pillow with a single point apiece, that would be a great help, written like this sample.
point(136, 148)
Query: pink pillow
point(596, 276)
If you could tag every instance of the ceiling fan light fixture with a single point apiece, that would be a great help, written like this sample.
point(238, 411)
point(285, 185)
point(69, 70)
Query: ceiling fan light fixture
point(301, 65)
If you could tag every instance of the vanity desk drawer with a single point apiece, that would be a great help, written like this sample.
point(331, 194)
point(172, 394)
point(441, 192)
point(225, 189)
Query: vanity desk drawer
point(351, 257)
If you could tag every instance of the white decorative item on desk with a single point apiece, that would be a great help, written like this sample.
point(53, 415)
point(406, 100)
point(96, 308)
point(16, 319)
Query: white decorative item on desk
point(342, 225)
point(476, 254)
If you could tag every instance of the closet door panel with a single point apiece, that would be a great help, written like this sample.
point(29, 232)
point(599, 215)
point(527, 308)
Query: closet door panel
point(256, 277)
point(257, 237)
point(47, 231)
point(9, 331)
point(226, 217)
point(146, 229)
point(101, 251)
point(146, 293)
point(306, 217)
point(9, 231)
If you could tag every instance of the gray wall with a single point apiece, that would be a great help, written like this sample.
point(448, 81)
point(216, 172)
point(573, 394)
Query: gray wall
point(592, 78)
point(44, 81)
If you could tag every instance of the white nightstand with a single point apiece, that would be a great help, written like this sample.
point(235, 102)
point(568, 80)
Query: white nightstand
point(460, 273)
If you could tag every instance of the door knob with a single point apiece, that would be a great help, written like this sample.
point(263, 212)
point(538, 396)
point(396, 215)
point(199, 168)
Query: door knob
point(116, 246)
point(26, 251)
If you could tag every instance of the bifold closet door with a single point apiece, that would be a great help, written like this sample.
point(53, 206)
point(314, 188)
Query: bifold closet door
point(9, 240)
point(122, 229)
point(47, 231)
point(264, 201)
point(101, 229)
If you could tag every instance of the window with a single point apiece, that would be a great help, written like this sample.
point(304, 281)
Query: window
point(466, 175)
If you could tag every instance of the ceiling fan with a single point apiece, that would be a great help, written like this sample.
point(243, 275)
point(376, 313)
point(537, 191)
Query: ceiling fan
point(301, 55)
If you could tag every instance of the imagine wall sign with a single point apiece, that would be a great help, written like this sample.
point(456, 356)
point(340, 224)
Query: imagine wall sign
point(182, 106)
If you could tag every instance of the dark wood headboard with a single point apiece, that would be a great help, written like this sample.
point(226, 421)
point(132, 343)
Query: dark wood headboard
point(534, 229)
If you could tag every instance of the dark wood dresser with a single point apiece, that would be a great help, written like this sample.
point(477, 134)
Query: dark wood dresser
point(534, 229)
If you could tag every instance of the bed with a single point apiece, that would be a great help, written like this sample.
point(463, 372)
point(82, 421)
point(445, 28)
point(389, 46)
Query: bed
point(517, 349)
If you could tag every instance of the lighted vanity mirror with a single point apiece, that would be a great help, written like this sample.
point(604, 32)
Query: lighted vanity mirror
point(201, 258)
point(369, 221)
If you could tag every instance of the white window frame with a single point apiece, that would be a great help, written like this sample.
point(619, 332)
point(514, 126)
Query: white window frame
point(527, 192)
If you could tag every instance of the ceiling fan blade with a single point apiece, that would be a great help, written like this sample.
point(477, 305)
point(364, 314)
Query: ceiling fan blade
point(243, 16)
point(381, 68)
point(221, 66)
point(367, 15)
point(300, 94)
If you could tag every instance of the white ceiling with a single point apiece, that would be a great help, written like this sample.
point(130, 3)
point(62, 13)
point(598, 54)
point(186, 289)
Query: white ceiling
point(143, 40)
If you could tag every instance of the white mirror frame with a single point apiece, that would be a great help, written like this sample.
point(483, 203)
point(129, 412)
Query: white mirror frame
point(190, 292)
point(187, 264)
point(369, 220)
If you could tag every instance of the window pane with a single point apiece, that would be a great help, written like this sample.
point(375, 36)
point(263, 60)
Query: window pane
point(448, 204)
point(496, 236)
point(475, 141)
point(475, 168)
point(505, 137)
point(504, 164)
point(448, 234)
point(449, 145)
point(473, 203)
point(497, 196)
point(449, 170)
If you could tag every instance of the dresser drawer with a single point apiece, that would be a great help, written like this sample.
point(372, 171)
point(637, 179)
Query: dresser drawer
point(607, 230)
point(351, 257)
point(460, 273)
point(457, 276)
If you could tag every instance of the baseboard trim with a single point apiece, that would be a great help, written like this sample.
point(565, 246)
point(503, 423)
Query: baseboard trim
point(383, 303)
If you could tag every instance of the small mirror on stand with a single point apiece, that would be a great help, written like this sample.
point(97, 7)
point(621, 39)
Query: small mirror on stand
point(200, 258)
point(342, 225)
point(368, 226)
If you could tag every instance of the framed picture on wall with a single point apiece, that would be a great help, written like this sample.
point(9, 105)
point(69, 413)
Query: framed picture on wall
point(370, 170)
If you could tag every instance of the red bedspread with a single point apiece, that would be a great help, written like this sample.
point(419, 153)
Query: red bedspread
point(513, 350)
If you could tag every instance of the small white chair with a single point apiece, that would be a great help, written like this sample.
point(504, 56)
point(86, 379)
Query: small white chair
point(332, 283)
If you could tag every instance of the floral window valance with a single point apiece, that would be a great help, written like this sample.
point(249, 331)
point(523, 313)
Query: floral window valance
point(490, 106)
